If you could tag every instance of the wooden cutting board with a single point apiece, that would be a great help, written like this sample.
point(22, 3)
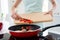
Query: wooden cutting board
point(35, 17)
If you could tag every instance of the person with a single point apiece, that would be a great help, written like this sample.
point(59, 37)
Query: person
point(31, 6)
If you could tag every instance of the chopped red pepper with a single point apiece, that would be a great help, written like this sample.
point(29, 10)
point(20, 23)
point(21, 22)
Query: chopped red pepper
point(26, 20)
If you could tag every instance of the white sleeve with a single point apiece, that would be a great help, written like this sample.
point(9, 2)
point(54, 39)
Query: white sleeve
point(45, 6)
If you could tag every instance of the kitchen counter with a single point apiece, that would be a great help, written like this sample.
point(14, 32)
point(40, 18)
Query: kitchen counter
point(55, 30)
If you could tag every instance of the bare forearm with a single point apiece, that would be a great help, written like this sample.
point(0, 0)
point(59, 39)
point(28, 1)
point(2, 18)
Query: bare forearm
point(16, 4)
point(53, 3)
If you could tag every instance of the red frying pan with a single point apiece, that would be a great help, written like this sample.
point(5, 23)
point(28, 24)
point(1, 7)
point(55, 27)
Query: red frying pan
point(36, 30)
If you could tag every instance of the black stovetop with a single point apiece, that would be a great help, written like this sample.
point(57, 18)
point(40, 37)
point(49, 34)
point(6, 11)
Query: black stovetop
point(7, 36)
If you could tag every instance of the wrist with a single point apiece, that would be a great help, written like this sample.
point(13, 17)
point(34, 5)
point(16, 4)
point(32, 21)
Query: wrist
point(13, 9)
point(53, 8)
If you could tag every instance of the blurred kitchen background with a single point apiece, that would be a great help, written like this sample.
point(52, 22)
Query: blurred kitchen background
point(9, 21)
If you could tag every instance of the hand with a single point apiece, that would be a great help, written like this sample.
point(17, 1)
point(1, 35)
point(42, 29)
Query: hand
point(50, 12)
point(17, 17)
point(14, 14)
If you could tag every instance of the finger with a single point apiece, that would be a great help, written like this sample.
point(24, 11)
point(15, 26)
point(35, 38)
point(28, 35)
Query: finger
point(46, 13)
point(14, 17)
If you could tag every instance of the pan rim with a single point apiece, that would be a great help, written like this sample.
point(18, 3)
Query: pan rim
point(26, 31)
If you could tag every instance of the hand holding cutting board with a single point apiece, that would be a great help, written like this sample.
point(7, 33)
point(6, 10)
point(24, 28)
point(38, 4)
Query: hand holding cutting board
point(32, 17)
point(20, 19)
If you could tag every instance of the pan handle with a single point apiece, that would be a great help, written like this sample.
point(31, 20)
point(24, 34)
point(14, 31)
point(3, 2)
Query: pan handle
point(40, 36)
point(58, 25)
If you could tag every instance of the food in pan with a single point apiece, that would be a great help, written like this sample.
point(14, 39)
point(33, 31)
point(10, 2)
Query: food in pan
point(25, 29)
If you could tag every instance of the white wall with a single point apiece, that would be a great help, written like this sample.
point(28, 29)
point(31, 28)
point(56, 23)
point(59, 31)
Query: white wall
point(4, 7)
point(0, 6)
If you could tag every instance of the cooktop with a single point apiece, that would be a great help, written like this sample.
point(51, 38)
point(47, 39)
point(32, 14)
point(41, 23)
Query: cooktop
point(7, 36)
